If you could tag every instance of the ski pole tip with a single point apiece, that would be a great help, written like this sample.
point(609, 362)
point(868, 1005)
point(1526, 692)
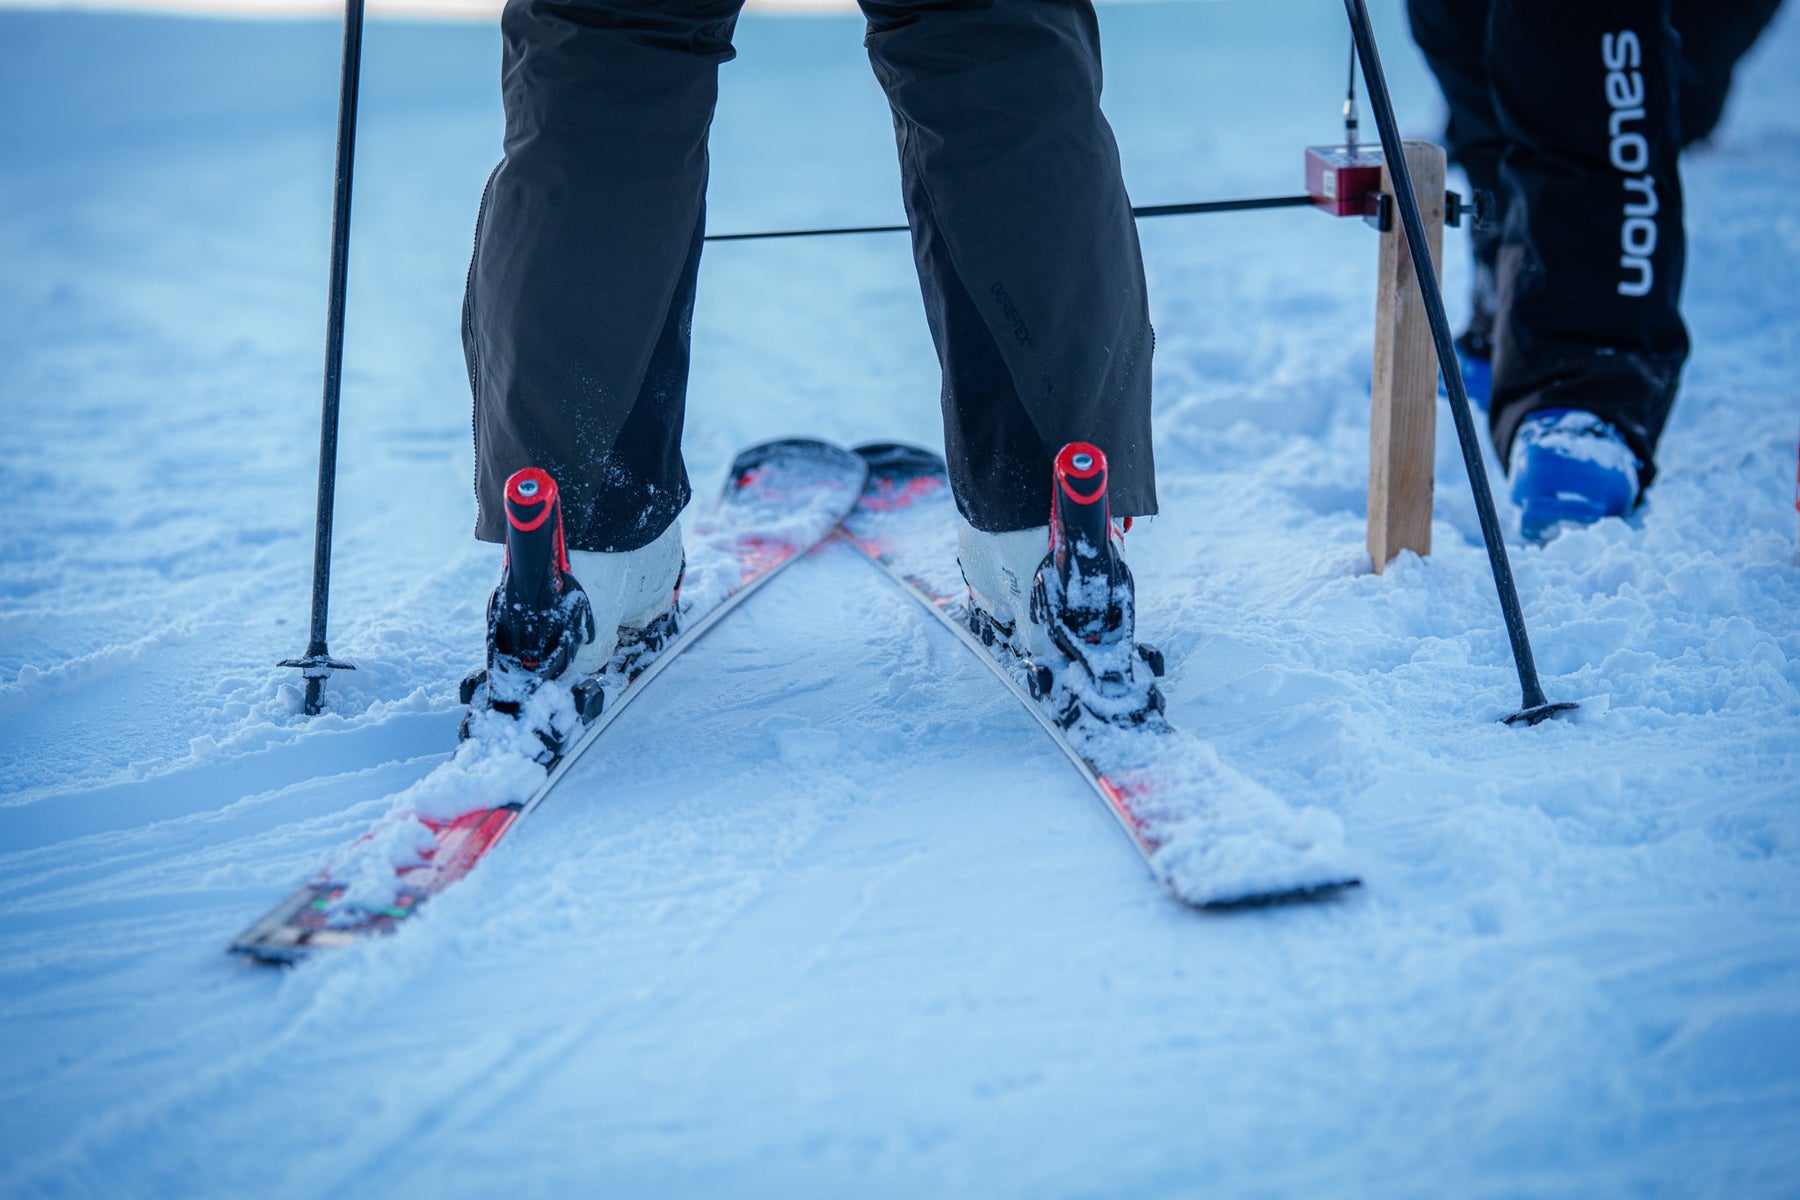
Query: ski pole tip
point(1537, 713)
point(315, 666)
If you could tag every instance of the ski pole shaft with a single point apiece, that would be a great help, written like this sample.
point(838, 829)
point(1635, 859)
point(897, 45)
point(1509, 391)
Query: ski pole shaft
point(1535, 706)
point(334, 315)
point(317, 662)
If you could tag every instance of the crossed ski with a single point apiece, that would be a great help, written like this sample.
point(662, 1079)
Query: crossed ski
point(1210, 836)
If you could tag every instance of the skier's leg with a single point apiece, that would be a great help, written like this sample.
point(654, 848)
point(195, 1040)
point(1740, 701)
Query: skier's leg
point(1592, 251)
point(1027, 253)
point(581, 290)
point(1452, 34)
point(577, 312)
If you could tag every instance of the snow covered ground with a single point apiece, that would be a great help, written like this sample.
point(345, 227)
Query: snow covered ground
point(828, 917)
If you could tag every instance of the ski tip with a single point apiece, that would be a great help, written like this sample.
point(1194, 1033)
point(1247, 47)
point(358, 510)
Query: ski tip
point(790, 449)
point(893, 459)
point(770, 470)
point(1307, 894)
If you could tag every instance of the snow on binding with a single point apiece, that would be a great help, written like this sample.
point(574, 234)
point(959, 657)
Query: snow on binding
point(781, 499)
point(537, 619)
point(1213, 837)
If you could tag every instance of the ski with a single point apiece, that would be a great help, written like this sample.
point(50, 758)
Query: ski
point(1211, 836)
point(780, 499)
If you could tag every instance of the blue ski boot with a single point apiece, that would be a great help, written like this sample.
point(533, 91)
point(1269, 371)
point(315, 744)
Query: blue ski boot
point(1570, 466)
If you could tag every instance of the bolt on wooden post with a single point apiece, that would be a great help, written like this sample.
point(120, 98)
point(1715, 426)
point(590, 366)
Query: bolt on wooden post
point(1403, 418)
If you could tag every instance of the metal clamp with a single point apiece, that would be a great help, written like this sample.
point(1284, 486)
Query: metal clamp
point(1378, 210)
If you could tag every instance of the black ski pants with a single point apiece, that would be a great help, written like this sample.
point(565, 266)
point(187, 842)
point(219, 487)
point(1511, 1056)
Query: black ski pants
point(578, 312)
point(1574, 115)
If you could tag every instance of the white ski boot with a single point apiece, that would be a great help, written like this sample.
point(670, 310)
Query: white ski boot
point(1000, 569)
point(633, 594)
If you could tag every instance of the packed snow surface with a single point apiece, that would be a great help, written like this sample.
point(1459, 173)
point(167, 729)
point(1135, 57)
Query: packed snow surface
point(825, 914)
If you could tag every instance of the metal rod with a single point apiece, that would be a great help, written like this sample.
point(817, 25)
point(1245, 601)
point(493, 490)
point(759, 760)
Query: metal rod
point(1535, 707)
point(317, 662)
point(1153, 210)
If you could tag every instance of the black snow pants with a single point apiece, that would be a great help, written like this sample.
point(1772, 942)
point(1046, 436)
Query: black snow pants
point(1574, 115)
point(577, 316)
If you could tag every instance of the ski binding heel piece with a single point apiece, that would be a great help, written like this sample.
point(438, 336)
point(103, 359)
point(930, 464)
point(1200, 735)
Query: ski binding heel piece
point(538, 618)
point(1084, 595)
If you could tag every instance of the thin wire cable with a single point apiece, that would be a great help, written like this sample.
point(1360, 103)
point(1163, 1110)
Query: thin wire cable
point(1199, 208)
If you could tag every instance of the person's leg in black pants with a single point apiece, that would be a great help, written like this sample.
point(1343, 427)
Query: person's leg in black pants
point(1026, 248)
point(580, 295)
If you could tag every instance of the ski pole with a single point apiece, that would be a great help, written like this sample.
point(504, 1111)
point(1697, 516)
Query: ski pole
point(317, 664)
point(1535, 706)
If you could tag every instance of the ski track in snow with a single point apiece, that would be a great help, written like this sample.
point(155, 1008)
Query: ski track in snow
point(843, 923)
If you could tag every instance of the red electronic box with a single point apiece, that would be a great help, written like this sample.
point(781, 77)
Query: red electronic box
point(1340, 179)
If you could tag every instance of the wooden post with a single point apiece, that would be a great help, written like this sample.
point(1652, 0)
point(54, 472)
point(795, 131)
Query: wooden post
point(1403, 420)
